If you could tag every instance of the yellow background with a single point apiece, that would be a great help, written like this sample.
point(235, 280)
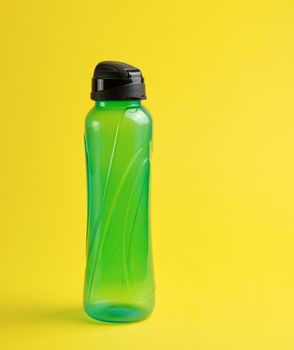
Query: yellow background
point(220, 84)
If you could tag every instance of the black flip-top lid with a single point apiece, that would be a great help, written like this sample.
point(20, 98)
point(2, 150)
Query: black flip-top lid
point(117, 81)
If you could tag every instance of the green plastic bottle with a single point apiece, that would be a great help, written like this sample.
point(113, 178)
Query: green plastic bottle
point(119, 282)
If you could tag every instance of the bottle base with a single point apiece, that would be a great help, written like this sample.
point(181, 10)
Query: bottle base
point(116, 313)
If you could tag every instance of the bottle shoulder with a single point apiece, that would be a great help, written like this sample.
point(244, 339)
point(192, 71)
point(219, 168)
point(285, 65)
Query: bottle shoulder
point(137, 115)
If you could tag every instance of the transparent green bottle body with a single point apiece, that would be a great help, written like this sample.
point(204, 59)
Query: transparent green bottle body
point(119, 282)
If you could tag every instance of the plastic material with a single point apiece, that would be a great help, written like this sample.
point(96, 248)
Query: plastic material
point(117, 81)
point(119, 285)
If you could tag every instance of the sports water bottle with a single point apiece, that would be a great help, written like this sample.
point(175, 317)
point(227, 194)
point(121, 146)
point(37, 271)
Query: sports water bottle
point(119, 282)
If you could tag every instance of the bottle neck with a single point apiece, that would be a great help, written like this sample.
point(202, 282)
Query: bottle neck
point(120, 104)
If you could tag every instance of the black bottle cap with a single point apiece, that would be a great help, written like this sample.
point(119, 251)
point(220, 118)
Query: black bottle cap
point(117, 81)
